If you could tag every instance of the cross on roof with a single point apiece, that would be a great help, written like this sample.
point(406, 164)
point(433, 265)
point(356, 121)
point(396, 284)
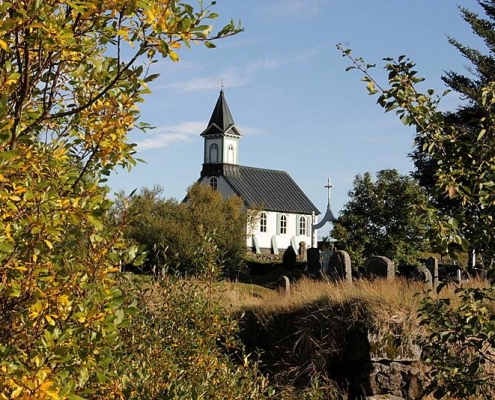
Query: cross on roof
point(329, 186)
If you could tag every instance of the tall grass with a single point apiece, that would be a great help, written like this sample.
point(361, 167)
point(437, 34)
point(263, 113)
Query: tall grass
point(400, 293)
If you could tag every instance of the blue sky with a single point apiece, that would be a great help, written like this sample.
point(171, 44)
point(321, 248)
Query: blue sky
point(289, 93)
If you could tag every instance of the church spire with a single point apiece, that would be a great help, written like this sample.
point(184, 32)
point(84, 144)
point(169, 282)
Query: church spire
point(221, 140)
point(221, 120)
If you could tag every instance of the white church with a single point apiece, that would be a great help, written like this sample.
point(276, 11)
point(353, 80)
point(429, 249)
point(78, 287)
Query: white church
point(287, 215)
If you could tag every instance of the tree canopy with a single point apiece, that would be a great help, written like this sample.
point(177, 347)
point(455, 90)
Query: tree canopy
point(465, 121)
point(382, 218)
point(175, 233)
point(72, 74)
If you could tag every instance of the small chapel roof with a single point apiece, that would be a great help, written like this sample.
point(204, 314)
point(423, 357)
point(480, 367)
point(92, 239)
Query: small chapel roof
point(272, 190)
point(221, 121)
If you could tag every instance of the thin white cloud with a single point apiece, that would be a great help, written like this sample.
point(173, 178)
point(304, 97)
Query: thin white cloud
point(237, 77)
point(167, 136)
point(231, 78)
point(251, 131)
point(295, 8)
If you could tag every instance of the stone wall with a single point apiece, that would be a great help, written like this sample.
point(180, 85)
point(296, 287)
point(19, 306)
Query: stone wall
point(339, 342)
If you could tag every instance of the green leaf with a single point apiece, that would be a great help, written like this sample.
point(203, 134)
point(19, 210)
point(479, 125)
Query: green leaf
point(95, 222)
point(120, 315)
point(6, 247)
point(75, 397)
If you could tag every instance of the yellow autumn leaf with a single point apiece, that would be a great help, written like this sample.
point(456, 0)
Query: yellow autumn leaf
point(173, 55)
point(3, 45)
point(48, 388)
point(16, 393)
point(64, 300)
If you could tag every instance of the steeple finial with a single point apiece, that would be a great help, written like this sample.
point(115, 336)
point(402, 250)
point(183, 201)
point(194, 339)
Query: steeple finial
point(221, 86)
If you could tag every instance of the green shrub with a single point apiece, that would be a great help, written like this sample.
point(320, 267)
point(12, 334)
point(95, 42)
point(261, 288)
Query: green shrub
point(174, 233)
point(181, 344)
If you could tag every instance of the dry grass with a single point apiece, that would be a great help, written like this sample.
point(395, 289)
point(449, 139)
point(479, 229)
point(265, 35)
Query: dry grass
point(400, 293)
point(389, 309)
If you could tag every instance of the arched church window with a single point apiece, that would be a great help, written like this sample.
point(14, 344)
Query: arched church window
point(283, 224)
point(302, 226)
point(230, 154)
point(263, 221)
point(214, 153)
point(214, 183)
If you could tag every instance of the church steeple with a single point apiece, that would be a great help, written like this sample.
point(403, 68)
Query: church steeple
point(221, 139)
point(221, 121)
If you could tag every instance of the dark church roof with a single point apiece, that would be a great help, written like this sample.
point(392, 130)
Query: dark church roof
point(221, 121)
point(271, 190)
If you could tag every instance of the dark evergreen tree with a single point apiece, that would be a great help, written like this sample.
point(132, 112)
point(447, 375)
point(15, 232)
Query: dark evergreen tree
point(464, 120)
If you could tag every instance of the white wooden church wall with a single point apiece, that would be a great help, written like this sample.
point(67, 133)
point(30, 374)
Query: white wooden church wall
point(222, 186)
point(264, 239)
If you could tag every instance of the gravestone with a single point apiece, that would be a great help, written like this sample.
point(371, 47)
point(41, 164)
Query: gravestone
point(283, 285)
point(432, 265)
point(325, 255)
point(428, 278)
point(339, 266)
point(256, 246)
point(379, 267)
point(314, 263)
point(418, 273)
point(289, 258)
point(423, 274)
point(303, 251)
point(293, 242)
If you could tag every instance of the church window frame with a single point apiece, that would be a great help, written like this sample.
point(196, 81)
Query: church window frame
point(213, 153)
point(263, 222)
point(230, 154)
point(214, 183)
point(302, 226)
point(283, 224)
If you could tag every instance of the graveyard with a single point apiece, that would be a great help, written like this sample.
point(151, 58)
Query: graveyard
point(359, 333)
